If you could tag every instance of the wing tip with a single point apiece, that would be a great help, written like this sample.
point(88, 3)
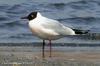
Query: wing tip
point(78, 31)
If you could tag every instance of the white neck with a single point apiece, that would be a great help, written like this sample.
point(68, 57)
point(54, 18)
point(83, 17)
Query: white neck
point(39, 15)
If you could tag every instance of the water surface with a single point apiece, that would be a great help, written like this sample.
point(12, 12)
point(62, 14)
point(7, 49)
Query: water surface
point(80, 14)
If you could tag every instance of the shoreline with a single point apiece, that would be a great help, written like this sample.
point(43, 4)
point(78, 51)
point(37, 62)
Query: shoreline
point(23, 55)
point(64, 53)
point(38, 44)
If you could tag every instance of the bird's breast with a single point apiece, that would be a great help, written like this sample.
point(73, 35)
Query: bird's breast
point(35, 28)
point(43, 33)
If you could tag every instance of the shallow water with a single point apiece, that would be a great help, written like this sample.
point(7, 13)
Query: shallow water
point(80, 14)
point(63, 56)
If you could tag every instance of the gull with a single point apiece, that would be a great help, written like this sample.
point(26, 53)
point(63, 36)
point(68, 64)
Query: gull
point(49, 29)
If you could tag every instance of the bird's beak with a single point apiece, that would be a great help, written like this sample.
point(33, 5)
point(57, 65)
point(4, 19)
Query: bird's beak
point(23, 17)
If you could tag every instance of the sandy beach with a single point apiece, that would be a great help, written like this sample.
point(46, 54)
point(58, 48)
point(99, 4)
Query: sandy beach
point(31, 55)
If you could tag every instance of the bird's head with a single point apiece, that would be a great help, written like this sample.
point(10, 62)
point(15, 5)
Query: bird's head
point(31, 16)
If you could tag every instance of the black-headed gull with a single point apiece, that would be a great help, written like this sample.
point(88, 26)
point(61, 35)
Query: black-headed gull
point(49, 29)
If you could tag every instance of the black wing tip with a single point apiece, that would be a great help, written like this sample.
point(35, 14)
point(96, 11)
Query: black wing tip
point(78, 31)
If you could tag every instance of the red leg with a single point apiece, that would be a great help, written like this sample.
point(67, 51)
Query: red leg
point(43, 54)
point(50, 48)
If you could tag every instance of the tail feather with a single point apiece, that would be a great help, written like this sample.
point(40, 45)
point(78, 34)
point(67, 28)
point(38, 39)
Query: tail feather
point(77, 31)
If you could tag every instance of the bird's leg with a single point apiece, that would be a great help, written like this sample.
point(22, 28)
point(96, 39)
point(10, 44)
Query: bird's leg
point(43, 54)
point(50, 48)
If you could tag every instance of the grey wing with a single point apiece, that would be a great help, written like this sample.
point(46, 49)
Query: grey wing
point(57, 27)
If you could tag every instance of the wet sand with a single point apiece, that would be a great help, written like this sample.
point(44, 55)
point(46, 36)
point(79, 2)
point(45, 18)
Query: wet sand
point(20, 54)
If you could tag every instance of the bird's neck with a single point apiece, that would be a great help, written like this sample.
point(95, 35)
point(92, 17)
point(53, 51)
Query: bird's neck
point(39, 15)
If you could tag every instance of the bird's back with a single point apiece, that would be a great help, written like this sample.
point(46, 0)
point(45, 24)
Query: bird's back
point(57, 27)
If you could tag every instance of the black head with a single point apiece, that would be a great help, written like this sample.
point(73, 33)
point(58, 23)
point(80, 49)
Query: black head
point(31, 16)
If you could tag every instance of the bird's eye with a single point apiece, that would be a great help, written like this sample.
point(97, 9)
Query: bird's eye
point(32, 15)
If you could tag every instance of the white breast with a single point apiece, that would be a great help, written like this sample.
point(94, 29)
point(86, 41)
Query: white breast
point(43, 33)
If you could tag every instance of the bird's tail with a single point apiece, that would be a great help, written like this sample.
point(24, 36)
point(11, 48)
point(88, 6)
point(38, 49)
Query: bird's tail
point(77, 31)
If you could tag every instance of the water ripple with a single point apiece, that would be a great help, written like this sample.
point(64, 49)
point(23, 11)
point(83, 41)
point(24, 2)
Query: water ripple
point(81, 14)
